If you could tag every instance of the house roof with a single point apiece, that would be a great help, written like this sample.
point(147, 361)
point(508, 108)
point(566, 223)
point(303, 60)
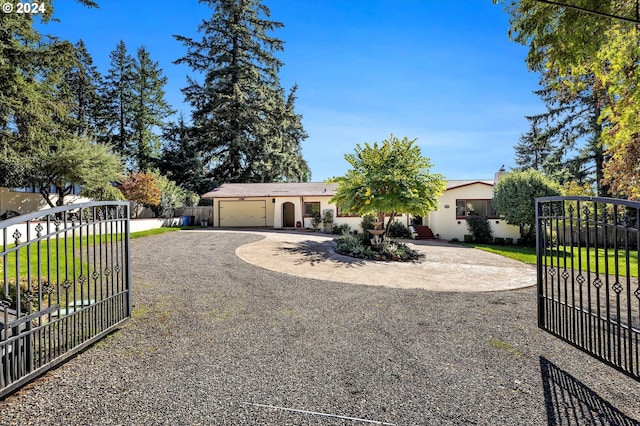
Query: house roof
point(451, 184)
point(279, 189)
point(299, 189)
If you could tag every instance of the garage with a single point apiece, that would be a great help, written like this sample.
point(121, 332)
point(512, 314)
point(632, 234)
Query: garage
point(241, 213)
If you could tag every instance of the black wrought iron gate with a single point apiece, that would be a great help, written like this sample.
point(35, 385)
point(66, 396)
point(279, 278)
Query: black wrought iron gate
point(65, 284)
point(588, 288)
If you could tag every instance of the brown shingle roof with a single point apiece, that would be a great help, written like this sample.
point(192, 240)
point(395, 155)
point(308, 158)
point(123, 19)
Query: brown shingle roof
point(280, 189)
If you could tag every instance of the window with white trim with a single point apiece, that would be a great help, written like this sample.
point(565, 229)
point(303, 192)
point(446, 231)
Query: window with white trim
point(466, 208)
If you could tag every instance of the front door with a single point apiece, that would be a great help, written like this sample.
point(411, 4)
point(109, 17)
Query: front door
point(288, 215)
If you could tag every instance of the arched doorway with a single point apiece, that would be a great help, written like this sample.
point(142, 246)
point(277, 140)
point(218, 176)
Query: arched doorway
point(288, 215)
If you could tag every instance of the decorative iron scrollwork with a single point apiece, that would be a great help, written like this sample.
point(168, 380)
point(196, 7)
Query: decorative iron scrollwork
point(597, 283)
point(16, 236)
point(46, 287)
point(617, 287)
point(6, 302)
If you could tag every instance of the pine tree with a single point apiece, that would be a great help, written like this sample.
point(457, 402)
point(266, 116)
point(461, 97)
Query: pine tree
point(116, 97)
point(533, 149)
point(181, 161)
point(281, 158)
point(79, 91)
point(150, 110)
point(568, 135)
point(238, 105)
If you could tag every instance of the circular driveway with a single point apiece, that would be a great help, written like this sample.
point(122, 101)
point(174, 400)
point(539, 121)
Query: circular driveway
point(447, 267)
point(214, 340)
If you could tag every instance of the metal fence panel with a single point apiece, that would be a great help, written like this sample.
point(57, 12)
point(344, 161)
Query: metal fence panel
point(65, 277)
point(587, 267)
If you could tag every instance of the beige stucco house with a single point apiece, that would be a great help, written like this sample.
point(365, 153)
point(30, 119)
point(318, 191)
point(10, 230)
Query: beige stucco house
point(274, 205)
point(461, 199)
point(291, 205)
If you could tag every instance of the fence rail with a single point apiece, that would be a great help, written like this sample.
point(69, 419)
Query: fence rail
point(65, 284)
point(588, 288)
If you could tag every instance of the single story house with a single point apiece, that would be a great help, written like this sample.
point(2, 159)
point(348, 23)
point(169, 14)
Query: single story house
point(464, 198)
point(275, 205)
point(291, 205)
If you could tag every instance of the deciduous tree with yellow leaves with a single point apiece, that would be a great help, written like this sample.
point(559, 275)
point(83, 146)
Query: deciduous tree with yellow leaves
point(388, 178)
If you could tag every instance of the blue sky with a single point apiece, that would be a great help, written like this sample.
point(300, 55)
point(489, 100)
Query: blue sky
point(441, 71)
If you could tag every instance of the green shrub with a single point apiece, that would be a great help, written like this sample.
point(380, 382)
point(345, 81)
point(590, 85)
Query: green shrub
point(468, 238)
point(480, 229)
point(341, 229)
point(499, 241)
point(315, 222)
point(384, 249)
point(399, 230)
point(508, 241)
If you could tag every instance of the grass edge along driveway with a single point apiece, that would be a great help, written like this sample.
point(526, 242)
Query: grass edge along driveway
point(570, 255)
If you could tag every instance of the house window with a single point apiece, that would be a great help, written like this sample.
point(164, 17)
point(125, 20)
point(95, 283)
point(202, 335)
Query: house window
point(311, 209)
point(345, 213)
point(483, 208)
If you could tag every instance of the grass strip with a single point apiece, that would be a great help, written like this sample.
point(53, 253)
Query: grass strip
point(566, 256)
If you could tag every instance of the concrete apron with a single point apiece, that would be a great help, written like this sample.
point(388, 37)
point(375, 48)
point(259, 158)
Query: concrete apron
point(447, 267)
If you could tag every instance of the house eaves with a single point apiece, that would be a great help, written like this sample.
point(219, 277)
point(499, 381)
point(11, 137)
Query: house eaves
point(278, 189)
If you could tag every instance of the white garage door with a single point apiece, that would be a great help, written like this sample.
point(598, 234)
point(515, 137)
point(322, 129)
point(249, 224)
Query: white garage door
point(243, 213)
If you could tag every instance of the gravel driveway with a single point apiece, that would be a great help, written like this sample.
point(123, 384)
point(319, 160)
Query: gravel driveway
point(215, 340)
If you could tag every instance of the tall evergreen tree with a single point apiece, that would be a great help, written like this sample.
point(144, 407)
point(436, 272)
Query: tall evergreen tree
point(79, 87)
point(182, 161)
point(150, 110)
point(239, 102)
point(281, 158)
point(533, 148)
point(569, 132)
point(116, 96)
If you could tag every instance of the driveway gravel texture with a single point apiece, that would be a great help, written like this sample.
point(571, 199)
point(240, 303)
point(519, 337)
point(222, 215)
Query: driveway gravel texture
point(216, 341)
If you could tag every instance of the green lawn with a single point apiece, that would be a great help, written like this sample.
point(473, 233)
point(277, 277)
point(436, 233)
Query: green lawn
point(528, 255)
point(54, 255)
point(55, 249)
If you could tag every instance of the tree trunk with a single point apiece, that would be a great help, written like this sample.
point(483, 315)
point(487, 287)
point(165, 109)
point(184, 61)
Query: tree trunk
point(47, 197)
point(386, 231)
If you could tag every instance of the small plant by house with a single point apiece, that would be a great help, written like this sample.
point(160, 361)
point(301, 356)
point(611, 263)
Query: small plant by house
point(316, 221)
point(343, 228)
point(327, 221)
point(399, 230)
point(480, 229)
